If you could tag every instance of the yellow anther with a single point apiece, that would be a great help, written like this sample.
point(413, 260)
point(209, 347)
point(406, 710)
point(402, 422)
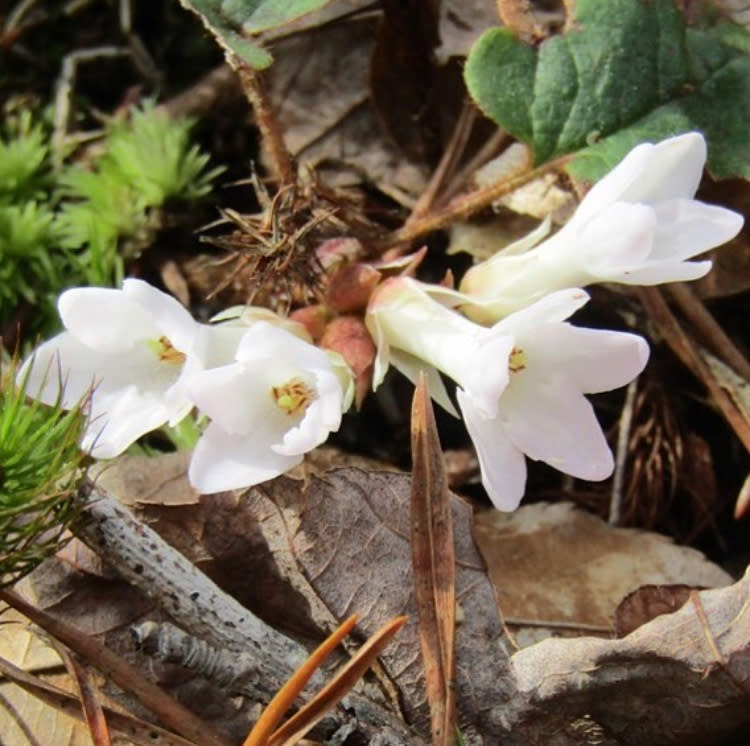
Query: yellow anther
point(518, 360)
point(165, 351)
point(293, 397)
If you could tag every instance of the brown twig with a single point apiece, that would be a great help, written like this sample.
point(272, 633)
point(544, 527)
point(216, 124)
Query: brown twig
point(90, 697)
point(447, 165)
point(268, 123)
point(464, 206)
point(623, 439)
point(488, 150)
point(681, 345)
point(134, 729)
point(214, 90)
point(169, 710)
point(712, 335)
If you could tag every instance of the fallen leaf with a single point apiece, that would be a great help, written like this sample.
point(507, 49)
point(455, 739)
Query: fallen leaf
point(403, 77)
point(646, 603)
point(148, 480)
point(26, 720)
point(681, 679)
point(557, 568)
point(347, 533)
point(319, 85)
point(434, 566)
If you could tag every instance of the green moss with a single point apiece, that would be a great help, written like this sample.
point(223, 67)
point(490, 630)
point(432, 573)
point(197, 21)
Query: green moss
point(80, 225)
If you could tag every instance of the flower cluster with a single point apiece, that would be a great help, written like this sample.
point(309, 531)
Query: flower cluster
point(522, 370)
point(143, 361)
point(521, 382)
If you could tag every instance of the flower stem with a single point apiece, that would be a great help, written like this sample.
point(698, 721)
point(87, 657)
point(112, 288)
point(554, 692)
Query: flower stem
point(268, 122)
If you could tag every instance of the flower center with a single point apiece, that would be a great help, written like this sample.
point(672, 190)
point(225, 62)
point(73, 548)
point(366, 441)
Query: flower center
point(518, 360)
point(165, 351)
point(293, 397)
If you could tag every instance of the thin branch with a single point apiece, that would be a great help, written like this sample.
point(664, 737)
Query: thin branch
point(268, 123)
point(712, 334)
point(465, 206)
point(681, 345)
point(623, 438)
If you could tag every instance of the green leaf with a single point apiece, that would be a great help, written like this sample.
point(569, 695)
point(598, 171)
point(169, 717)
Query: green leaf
point(500, 76)
point(719, 108)
point(231, 21)
point(629, 71)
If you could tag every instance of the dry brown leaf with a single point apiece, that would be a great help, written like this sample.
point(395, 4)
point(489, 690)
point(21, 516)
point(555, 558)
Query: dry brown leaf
point(403, 77)
point(148, 481)
point(462, 22)
point(556, 567)
point(347, 535)
point(120, 671)
point(320, 84)
point(434, 566)
point(683, 678)
point(648, 602)
point(24, 719)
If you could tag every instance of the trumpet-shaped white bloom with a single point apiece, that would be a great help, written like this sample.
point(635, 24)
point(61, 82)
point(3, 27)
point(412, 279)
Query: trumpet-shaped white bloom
point(129, 350)
point(521, 382)
point(277, 400)
point(637, 226)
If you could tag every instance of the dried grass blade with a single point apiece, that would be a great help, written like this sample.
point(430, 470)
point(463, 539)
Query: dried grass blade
point(434, 566)
point(284, 699)
point(337, 688)
point(89, 695)
point(136, 730)
point(121, 672)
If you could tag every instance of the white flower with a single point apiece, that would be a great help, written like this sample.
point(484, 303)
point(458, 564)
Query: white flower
point(279, 399)
point(636, 226)
point(546, 365)
point(129, 350)
point(414, 333)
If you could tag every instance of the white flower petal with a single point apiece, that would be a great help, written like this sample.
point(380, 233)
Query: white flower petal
point(619, 237)
point(49, 381)
point(126, 390)
point(237, 399)
point(656, 273)
point(118, 419)
point(105, 319)
point(223, 461)
point(264, 342)
point(688, 227)
point(674, 170)
point(502, 464)
point(593, 360)
point(412, 366)
point(551, 421)
point(403, 316)
point(556, 306)
point(321, 417)
point(172, 318)
point(617, 183)
point(650, 173)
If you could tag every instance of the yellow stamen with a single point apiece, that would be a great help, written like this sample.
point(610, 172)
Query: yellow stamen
point(294, 397)
point(518, 360)
point(165, 351)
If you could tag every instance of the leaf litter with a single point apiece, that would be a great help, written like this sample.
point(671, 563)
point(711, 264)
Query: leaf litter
point(305, 550)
